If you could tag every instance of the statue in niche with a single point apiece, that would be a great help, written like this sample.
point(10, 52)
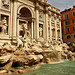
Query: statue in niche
point(24, 30)
point(40, 31)
point(5, 3)
point(5, 26)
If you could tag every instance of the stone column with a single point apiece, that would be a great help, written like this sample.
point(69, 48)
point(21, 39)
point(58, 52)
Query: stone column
point(37, 21)
point(14, 18)
point(60, 29)
point(50, 29)
point(17, 27)
point(0, 3)
point(32, 28)
point(11, 19)
point(56, 28)
point(46, 25)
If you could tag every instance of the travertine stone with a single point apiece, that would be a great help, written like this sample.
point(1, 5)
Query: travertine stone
point(33, 14)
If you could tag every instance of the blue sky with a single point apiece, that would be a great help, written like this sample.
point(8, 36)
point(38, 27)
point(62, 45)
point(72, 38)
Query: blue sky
point(62, 4)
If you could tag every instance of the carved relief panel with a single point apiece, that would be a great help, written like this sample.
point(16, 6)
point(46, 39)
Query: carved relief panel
point(58, 24)
point(41, 15)
point(52, 21)
point(5, 4)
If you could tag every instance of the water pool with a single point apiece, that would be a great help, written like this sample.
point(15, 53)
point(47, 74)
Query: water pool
point(64, 68)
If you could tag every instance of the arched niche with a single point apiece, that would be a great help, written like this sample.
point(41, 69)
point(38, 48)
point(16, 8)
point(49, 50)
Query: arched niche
point(25, 17)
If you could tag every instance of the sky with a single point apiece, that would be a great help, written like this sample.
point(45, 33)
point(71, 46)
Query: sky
point(62, 4)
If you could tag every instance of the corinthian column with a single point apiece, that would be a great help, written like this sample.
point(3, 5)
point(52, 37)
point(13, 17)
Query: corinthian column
point(14, 17)
point(32, 28)
point(55, 28)
point(0, 10)
point(11, 19)
point(60, 27)
point(46, 24)
point(37, 21)
point(50, 28)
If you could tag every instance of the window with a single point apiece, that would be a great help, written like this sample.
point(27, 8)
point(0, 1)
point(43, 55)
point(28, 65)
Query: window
point(67, 22)
point(68, 37)
point(74, 36)
point(74, 28)
point(67, 16)
point(62, 30)
point(61, 24)
point(62, 37)
point(73, 13)
point(73, 21)
point(68, 30)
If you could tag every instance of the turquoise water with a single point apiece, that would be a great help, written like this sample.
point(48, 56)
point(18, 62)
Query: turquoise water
point(64, 68)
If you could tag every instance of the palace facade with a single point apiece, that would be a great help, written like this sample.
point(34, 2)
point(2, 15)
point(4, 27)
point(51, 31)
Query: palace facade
point(68, 24)
point(37, 17)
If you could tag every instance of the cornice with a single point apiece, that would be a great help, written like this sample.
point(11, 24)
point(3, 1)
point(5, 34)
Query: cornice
point(54, 11)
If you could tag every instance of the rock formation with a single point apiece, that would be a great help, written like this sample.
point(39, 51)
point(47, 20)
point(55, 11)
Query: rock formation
point(23, 53)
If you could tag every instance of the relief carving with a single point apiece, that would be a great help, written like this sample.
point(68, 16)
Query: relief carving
point(41, 15)
point(23, 30)
point(5, 4)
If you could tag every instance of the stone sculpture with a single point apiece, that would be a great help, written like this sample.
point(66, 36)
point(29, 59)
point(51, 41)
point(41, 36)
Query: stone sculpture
point(5, 3)
point(40, 31)
point(5, 26)
point(19, 43)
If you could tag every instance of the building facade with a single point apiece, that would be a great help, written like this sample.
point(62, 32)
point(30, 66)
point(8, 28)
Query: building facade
point(68, 24)
point(37, 17)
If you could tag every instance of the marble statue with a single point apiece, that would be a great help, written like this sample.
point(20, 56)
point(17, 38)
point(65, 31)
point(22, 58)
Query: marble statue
point(40, 31)
point(4, 23)
point(19, 42)
point(24, 25)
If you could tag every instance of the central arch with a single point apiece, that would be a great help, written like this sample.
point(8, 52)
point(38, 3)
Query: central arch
point(25, 18)
point(25, 12)
point(27, 7)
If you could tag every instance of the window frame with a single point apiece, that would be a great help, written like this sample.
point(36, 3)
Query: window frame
point(67, 23)
point(68, 30)
point(68, 36)
point(73, 13)
point(67, 16)
point(73, 28)
point(74, 36)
